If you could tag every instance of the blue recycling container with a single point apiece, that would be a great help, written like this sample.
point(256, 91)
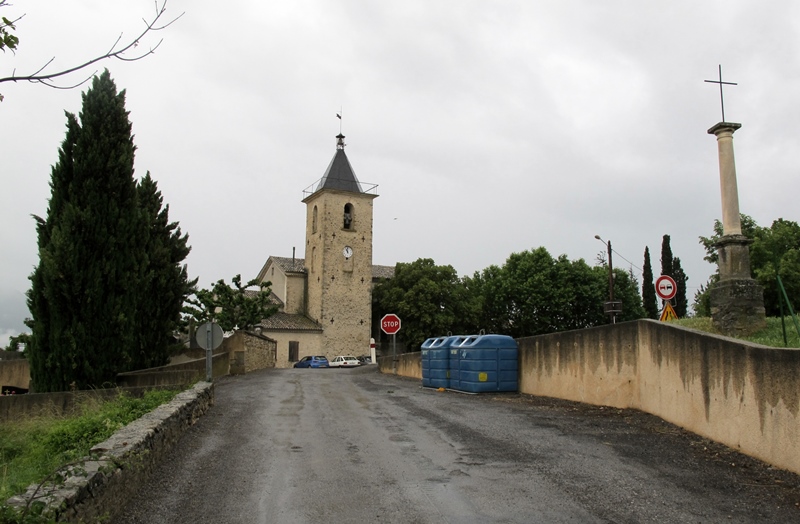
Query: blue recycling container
point(436, 361)
point(425, 357)
point(485, 363)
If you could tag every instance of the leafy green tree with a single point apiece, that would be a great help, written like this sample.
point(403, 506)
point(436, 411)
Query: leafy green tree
point(774, 251)
point(7, 39)
point(533, 294)
point(681, 304)
point(101, 257)
point(235, 306)
point(649, 299)
point(18, 342)
point(165, 283)
point(431, 300)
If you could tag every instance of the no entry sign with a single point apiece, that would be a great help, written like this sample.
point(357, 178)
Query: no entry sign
point(390, 324)
point(666, 287)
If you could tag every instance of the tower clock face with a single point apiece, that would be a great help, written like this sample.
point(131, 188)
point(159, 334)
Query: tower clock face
point(347, 251)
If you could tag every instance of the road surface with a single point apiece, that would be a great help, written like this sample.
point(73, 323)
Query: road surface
point(352, 445)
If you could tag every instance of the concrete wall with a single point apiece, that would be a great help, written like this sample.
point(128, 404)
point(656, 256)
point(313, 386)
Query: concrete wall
point(743, 395)
point(408, 365)
point(15, 373)
point(183, 373)
point(14, 407)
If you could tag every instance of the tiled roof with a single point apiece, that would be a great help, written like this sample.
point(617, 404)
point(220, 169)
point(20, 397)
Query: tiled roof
point(382, 272)
point(273, 298)
point(287, 322)
point(290, 265)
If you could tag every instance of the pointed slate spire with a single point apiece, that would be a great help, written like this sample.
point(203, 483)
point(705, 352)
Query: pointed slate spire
point(339, 174)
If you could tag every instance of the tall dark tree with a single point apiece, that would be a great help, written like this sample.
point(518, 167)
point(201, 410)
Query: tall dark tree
point(666, 256)
point(649, 299)
point(164, 282)
point(87, 296)
point(681, 303)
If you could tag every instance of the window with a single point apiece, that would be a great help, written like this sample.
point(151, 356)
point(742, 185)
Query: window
point(294, 350)
point(314, 220)
point(348, 216)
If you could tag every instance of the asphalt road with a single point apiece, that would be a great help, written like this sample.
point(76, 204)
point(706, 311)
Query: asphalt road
point(352, 445)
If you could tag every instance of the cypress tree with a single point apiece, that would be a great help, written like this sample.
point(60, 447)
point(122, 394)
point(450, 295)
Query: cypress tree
point(165, 283)
point(666, 257)
point(681, 303)
point(84, 296)
point(649, 299)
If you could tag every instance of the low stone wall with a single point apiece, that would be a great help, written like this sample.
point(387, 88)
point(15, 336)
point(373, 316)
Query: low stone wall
point(250, 351)
point(100, 487)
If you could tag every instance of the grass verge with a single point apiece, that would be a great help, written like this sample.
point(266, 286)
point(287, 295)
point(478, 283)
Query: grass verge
point(772, 335)
point(32, 449)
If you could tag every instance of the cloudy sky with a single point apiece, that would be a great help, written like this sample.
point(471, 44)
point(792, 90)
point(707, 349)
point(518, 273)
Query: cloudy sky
point(490, 127)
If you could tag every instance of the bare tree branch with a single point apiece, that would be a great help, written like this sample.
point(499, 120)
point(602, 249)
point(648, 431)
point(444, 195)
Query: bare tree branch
point(46, 79)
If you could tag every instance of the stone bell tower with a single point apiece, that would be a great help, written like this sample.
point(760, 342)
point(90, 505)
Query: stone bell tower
point(338, 256)
point(737, 301)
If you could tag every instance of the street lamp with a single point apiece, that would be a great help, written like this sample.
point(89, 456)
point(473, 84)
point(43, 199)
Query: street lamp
point(612, 307)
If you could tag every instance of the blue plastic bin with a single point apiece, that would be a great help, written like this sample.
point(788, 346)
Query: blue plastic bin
point(485, 363)
point(435, 356)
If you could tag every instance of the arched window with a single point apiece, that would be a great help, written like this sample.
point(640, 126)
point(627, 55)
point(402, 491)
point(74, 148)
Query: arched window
point(348, 216)
point(314, 220)
point(313, 258)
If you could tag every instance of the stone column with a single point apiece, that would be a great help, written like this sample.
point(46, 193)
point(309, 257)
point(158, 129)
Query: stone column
point(737, 301)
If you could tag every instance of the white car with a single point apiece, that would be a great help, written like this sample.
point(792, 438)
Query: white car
point(346, 361)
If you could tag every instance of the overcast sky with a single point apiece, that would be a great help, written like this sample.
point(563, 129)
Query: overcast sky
point(490, 127)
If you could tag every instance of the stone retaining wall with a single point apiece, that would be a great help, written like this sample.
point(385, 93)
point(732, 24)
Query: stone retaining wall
point(101, 486)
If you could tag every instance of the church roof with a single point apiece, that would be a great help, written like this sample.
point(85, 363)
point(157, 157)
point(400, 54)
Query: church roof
point(274, 300)
point(289, 265)
point(339, 174)
point(288, 322)
point(382, 272)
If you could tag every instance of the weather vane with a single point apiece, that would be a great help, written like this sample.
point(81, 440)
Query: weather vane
point(339, 116)
point(720, 82)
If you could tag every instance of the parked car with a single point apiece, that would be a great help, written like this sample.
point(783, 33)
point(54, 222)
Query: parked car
point(312, 362)
point(344, 361)
point(366, 359)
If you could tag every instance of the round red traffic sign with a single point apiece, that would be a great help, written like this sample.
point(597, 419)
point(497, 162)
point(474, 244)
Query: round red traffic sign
point(390, 324)
point(666, 287)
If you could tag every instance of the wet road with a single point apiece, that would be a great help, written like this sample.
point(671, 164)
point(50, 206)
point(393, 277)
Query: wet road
point(338, 445)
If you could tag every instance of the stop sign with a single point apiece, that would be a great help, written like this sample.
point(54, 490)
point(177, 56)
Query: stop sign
point(390, 324)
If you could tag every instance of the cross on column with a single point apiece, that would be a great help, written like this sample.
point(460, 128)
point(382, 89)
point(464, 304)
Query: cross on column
point(720, 82)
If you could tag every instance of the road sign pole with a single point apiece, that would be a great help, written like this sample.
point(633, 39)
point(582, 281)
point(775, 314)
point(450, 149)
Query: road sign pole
point(208, 352)
point(394, 354)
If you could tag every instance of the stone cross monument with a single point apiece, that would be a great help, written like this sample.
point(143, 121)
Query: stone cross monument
point(737, 301)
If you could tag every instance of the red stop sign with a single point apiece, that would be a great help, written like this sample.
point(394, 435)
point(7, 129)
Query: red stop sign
point(390, 324)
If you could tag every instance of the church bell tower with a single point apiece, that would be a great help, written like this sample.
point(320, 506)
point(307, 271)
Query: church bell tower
point(338, 257)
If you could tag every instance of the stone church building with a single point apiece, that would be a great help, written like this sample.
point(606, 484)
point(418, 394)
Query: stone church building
point(325, 299)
